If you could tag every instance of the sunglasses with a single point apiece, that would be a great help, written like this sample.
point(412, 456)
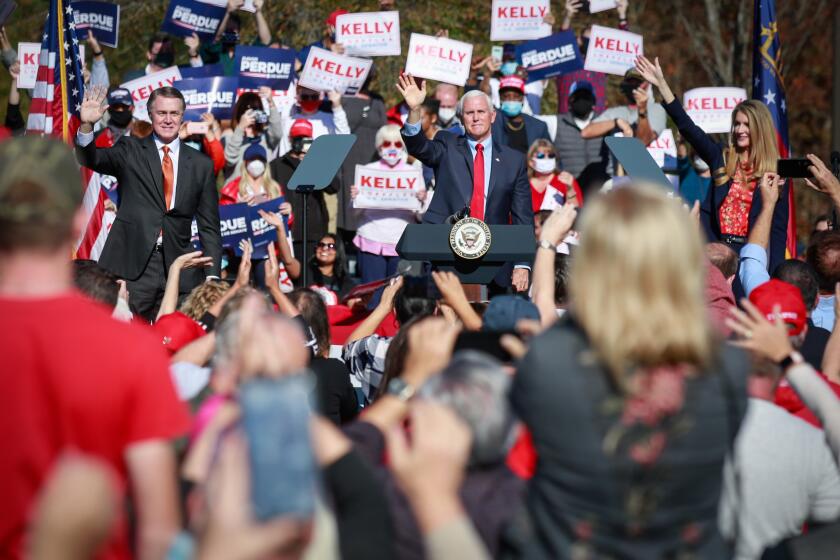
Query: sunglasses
point(310, 97)
point(328, 246)
point(543, 155)
point(387, 144)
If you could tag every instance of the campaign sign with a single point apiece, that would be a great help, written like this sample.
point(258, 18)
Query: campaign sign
point(513, 20)
point(185, 17)
point(388, 189)
point(102, 18)
point(612, 51)
point(248, 6)
point(439, 58)
point(664, 145)
point(711, 107)
point(206, 71)
point(28, 58)
point(554, 55)
point(262, 233)
point(327, 71)
point(369, 33)
point(208, 95)
point(234, 225)
point(263, 66)
point(596, 6)
point(141, 88)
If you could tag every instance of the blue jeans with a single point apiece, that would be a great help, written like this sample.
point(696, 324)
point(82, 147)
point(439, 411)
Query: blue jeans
point(376, 267)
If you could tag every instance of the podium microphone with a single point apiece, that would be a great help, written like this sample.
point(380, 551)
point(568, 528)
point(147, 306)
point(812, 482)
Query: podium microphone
point(459, 215)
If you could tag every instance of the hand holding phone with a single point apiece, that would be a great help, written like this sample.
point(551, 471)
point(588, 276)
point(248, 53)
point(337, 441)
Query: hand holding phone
point(197, 128)
point(793, 168)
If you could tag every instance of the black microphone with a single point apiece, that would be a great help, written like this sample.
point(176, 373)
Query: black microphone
point(459, 215)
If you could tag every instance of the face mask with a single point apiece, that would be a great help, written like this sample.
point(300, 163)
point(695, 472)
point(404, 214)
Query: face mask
point(230, 38)
point(310, 106)
point(164, 59)
point(545, 165)
point(446, 114)
point(511, 108)
point(120, 119)
point(255, 168)
point(300, 145)
point(391, 156)
point(582, 106)
point(508, 68)
point(627, 87)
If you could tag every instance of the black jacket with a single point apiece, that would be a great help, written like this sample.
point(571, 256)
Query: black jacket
point(318, 216)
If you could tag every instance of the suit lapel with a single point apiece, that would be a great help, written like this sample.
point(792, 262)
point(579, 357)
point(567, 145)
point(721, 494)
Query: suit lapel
point(495, 169)
point(152, 158)
point(183, 172)
point(464, 148)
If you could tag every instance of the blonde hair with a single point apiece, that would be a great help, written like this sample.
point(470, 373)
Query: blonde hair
point(637, 283)
point(202, 298)
point(387, 132)
point(764, 148)
point(538, 143)
point(271, 187)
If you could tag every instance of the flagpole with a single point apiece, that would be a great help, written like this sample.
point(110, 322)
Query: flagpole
point(65, 128)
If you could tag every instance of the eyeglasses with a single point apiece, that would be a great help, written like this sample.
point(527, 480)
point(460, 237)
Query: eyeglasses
point(327, 246)
point(543, 155)
point(387, 144)
point(310, 97)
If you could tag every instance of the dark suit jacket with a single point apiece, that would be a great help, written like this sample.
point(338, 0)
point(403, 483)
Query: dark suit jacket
point(142, 212)
point(534, 128)
point(509, 195)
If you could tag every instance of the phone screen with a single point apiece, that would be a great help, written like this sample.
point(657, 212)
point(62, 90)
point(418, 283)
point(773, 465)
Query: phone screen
point(484, 341)
point(796, 168)
point(496, 52)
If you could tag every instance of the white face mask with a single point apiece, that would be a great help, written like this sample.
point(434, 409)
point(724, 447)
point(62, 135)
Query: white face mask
point(255, 168)
point(391, 156)
point(545, 165)
point(446, 114)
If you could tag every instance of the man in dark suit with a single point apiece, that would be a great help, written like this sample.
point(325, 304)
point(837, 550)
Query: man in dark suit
point(474, 170)
point(513, 128)
point(163, 183)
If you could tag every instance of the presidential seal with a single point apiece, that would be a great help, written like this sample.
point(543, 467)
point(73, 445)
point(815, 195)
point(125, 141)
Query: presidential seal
point(470, 238)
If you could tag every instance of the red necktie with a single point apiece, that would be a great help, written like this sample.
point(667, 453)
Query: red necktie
point(168, 177)
point(477, 200)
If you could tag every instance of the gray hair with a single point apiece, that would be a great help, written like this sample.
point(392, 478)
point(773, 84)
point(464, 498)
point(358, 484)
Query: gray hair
point(475, 386)
point(470, 94)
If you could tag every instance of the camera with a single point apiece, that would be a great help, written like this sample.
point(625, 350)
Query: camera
point(260, 117)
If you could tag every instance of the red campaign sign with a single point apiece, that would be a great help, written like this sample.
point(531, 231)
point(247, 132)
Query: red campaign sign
point(513, 12)
point(387, 188)
point(388, 182)
point(513, 20)
point(439, 59)
point(369, 33)
point(711, 108)
point(612, 51)
point(327, 71)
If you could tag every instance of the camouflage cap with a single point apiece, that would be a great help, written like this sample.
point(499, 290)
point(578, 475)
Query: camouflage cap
point(46, 162)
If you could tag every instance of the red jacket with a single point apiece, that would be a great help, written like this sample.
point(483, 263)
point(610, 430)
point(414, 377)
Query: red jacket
point(230, 195)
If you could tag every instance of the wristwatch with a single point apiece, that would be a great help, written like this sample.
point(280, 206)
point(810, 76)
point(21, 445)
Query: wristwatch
point(794, 358)
point(543, 244)
point(400, 389)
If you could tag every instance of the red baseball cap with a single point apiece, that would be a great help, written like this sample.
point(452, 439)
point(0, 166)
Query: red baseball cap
point(787, 297)
point(334, 16)
point(301, 127)
point(512, 82)
point(177, 330)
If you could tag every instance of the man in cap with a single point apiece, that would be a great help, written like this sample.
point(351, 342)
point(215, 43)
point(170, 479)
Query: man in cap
point(74, 378)
point(513, 128)
point(577, 151)
point(120, 112)
point(325, 116)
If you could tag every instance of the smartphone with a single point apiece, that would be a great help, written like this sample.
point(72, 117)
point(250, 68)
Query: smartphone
point(275, 416)
point(584, 6)
point(796, 168)
point(484, 341)
point(497, 52)
point(197, 128)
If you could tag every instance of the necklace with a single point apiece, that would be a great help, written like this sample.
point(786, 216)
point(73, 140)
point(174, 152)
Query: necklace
point(509, 124)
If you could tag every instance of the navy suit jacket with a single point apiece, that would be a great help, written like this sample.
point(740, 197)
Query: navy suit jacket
point(534, 129)
point(509, 196)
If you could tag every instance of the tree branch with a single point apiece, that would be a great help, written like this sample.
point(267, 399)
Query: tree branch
point(697, 36)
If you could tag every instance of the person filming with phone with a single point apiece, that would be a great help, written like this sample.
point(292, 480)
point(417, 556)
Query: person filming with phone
point(255, 121)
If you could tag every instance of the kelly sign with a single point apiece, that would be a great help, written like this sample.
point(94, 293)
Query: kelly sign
point(663, 146)
point(612, 51)
point(439, 58)
point(394, 190)
point(141, 88)
point(554, 55)
point(512, 20)
point(596, 6)
point(711, 108)
point(369, 33)
point(208, 95)
point(327, 71)
point(102, 18)
point(185, 17)
point(263, 66)
point(28, 57)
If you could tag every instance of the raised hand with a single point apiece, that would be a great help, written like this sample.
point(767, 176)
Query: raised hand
point(822, 180)
point(192, 260)
point(758, 334)
point(621, 7)
point(272, 218)
point(247, 119)
point(769, 187)
point(335, 98)
point(390, 292)
point(413, 94)
point(94, 44)
point(559, 224)
point(640, 95)
point(234, 5)
point(93, 106)
point(243, 275)
point(652, 73)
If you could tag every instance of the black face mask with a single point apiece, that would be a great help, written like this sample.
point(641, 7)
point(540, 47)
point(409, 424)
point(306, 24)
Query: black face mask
point(164, 59)
point(582, 106)
point(230, 39)
point(119, 119)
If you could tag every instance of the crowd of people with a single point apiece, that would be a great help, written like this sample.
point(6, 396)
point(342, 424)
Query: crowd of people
point(659, 380)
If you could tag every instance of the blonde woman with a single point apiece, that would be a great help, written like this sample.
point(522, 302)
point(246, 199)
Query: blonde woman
point(734, 201)
point(631, 401)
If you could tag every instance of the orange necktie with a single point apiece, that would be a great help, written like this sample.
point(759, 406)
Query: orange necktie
point(168, 177)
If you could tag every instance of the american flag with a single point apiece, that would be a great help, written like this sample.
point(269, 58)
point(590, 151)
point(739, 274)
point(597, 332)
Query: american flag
point(769, 87)
point(55, 110)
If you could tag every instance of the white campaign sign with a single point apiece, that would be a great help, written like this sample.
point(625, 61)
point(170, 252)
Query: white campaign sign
point(28, 57)
point(711, 107)
point(662, 146)
point(248, 6)
point(612, 51)
point(327, 71)
point(438, 58)
point(596, 6)
point(142, 88)
point(369, 33)
point(384, 188)
point(513, 20)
